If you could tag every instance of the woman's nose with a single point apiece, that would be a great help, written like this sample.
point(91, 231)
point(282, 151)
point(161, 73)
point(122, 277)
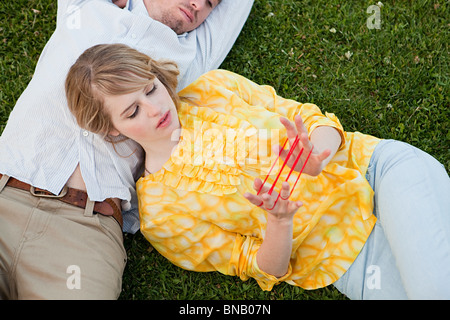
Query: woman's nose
point(152, 110)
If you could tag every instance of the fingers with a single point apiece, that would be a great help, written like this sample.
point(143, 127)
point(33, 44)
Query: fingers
point(257, 184)
point(260, 189)
point(304, 140)
point(303, 132)
point(291, 206)
point(294, 206)
point(291, 129)
point(264, 199)
point(279, 206)
point(325, 154)
point(294, 130)
point(254, 199)
point(285, 191)
point(268, 201)
point(301, 128)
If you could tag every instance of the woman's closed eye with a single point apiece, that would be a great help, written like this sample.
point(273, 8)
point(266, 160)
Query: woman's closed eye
point(136, 109)
point(135, 112)
point(152, 89)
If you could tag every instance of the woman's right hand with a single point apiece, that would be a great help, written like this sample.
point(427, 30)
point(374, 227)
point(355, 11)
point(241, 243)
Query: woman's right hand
point(316, 161)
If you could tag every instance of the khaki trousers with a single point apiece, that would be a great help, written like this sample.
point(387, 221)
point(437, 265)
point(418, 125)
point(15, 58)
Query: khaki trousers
point(53, 250)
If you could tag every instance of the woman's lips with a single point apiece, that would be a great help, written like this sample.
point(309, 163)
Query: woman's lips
point(165, 120)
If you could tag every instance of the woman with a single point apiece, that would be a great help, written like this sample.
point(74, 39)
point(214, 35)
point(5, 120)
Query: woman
point(363, 207)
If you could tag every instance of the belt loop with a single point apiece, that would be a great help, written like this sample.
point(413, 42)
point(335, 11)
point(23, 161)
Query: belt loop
point(3, 182)
point(89, 208)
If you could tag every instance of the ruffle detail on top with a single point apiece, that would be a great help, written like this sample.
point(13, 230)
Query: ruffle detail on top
point(209, 157)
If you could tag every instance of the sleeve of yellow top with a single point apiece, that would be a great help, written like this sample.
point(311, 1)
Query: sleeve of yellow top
point(267, 97)
point(199, 245)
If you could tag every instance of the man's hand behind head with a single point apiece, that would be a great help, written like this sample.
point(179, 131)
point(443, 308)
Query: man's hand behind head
point(120, 3)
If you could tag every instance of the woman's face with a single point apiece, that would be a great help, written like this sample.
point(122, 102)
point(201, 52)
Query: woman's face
point(147, 116)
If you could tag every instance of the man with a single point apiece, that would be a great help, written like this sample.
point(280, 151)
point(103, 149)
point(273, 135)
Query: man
point(61, 187)
point(180, 16)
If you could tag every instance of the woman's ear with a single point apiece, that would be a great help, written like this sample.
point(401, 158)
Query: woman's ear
point(114, 133)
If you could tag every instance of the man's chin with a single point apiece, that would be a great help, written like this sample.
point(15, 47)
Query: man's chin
point(179, 29)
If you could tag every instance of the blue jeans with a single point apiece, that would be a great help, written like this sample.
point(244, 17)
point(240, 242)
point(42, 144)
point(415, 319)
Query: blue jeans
point(407, 255)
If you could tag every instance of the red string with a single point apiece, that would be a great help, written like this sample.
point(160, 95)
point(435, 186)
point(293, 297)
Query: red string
point(300, 173)
point(276, 161)
point(291, 150)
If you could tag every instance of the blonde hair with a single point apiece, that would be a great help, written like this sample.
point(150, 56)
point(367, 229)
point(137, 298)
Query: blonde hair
point(112, 69)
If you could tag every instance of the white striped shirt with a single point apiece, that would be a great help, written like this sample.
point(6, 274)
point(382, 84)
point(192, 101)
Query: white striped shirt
point(42, 144)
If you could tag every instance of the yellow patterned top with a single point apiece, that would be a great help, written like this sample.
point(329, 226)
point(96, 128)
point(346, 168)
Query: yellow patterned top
point(193, 210)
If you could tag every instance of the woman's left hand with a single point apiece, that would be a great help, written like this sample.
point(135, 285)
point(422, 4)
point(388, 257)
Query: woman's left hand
point(280, 208)
point(316, 161)
point(274, 254)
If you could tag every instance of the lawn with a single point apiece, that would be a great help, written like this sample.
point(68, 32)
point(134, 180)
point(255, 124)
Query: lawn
point(386, 77)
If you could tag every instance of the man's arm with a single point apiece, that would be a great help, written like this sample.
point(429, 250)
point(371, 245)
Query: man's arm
point(220, 30)
point(63, 5)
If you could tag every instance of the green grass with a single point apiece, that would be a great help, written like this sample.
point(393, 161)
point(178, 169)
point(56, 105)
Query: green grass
point(393, 83)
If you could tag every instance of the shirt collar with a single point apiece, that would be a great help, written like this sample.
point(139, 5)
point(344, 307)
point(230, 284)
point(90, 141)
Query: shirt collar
point(137, 7)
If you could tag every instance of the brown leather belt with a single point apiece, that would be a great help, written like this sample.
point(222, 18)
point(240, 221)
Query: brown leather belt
point(71, 196)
